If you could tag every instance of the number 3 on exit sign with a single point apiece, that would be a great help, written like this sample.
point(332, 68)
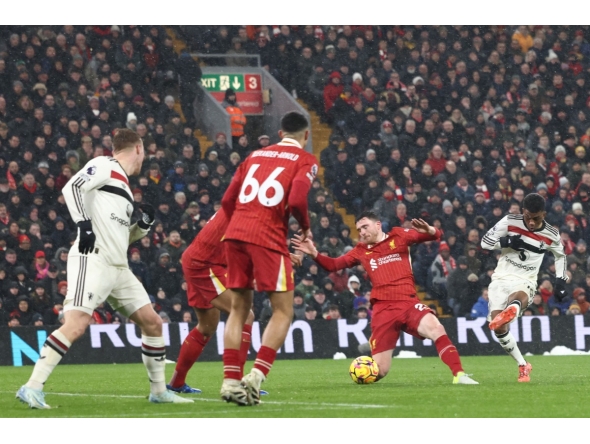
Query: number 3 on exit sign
point(253, 82)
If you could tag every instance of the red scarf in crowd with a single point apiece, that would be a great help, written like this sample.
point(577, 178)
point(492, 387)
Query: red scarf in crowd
point(444, 264)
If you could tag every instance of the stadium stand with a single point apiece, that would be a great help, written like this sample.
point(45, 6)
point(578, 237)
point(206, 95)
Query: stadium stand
point(453, 124)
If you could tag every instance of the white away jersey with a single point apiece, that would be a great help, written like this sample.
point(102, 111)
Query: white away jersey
point(525, 264)
point(100, 192)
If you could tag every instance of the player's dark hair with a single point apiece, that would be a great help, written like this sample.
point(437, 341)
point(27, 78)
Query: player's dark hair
point(369, 215)
point(124, 139)
point(534, 203)
point(294, 122)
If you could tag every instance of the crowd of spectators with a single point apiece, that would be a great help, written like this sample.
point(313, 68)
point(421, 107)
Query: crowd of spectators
point(452, 124)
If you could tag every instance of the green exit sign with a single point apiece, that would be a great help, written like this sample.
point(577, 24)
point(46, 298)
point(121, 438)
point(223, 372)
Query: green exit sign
point(222, 82)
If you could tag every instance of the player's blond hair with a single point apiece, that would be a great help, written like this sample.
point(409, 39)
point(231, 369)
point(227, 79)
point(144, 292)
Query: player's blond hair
point(125, 139)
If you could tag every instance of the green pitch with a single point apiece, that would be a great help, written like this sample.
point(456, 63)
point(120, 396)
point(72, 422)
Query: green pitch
point(559, 387)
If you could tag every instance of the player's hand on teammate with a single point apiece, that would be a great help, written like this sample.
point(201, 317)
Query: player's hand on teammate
point(306, 234)
point(559, 290)
point(420, 225)
point(87, 237)
point(304, 244)
point(514, 242)
point(296, 259)
point(148, 216)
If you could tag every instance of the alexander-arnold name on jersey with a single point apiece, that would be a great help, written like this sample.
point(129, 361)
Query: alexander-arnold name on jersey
point(275, 154)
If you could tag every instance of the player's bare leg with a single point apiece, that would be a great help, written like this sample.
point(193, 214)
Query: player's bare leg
point(56, 346)
point(153, 354)
point(272, 339)
point(383, 360)
point(192, 347)
point(198, 337)
point(232, 389)
point(501, 326)
point(430, 328)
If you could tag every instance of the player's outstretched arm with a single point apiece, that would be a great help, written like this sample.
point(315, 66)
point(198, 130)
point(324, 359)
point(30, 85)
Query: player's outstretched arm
point(306, 246)
point(422, 232)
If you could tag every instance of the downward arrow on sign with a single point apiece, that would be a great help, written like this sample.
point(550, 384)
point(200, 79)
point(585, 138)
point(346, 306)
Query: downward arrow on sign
point(236, 84)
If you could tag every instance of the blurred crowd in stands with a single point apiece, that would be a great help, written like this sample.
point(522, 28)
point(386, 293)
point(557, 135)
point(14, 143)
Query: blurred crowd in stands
point(452, 124)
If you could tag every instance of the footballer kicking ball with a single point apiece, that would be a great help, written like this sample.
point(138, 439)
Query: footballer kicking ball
point(364, 370)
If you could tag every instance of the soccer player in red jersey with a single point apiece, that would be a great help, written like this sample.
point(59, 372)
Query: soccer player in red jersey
point(386, 258)
point(271, 184)
point(205, 269)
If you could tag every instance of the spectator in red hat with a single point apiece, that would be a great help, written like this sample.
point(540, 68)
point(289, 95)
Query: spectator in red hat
point(40, 267)
point(24, 253)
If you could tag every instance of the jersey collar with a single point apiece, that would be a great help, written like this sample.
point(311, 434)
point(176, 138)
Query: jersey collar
point(385, 236)
point(122, 169)
point(287, 141)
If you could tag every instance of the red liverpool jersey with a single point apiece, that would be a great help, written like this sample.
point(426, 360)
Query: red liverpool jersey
point(269, 186)
point(206, 249)
point(387, 263)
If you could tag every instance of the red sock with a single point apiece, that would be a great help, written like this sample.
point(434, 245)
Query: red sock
point(231, 364)
point(245, 346)
point(265, 358)
point(449, 354)
point(191, 349)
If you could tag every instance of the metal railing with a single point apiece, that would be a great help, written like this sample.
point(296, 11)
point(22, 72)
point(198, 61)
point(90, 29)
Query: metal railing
point(202, 55)
point(281, 103)
point(210, 116)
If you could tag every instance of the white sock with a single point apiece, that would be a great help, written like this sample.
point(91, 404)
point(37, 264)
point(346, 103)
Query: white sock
point(55, 347)
point(518, 306)
point(153, 354)
point(509, 345)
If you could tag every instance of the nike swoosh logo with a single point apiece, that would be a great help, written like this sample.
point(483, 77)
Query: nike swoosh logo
point(41, 357)
point(368, 252)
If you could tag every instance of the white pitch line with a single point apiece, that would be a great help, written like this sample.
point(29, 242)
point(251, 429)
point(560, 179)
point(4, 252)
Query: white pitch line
point(195, 398)
point(231, 411)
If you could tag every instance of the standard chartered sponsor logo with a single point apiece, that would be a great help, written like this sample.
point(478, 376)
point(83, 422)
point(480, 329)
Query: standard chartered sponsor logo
point(384, 260)
point(117, 219)
point(524, 267)
point(389, 258)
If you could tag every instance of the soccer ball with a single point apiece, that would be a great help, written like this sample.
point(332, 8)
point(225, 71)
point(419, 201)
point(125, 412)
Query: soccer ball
point(364, 370)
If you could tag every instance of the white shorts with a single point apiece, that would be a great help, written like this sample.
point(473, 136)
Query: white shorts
point(500, 290)
point(91, 282)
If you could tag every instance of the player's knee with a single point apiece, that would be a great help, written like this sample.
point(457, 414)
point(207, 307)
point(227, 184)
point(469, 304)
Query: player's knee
point(432, 329)
point(154, 326)
point(438, 331)
point(76, 331)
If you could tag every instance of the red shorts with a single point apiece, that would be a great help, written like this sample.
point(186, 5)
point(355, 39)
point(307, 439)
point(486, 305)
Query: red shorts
point(391, 317)
point(204, 285)
point(271, 269)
